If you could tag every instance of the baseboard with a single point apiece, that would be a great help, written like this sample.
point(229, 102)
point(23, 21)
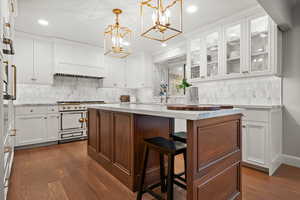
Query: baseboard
point(30, 146)
point(291, 160)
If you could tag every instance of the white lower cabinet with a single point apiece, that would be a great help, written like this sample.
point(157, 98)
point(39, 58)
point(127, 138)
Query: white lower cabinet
point(31, 129)
point(34, 125)
point(255, 142)
point(52, 127)
point(262, 138)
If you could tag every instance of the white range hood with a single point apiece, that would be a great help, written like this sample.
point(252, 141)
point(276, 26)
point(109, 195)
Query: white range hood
point(80, 60)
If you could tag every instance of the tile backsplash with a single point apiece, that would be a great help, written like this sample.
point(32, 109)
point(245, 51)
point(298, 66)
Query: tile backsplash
point(247, 91)
point(69, 88)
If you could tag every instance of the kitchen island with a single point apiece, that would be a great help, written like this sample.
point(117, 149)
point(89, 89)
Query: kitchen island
point(115, 140)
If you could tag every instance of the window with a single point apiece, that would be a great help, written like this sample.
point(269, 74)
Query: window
point(171, 72)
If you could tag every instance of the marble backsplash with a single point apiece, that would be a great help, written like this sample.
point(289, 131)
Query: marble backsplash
point(69, 89)
point(246, 91)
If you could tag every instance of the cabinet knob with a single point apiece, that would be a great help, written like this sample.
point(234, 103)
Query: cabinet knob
point(31, 110)
point(244, 126)
point(13, 132)
point(81, 120)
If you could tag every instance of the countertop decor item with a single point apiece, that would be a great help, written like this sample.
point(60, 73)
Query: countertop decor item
point(117, 38)
point(166, 18)
point(125, 98)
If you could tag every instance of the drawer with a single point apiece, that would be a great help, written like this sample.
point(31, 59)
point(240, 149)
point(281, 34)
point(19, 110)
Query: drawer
point(256, 115)
point(31, 110)
point(52, 109)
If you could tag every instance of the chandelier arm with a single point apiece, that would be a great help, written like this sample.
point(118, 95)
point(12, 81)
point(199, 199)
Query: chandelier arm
point(171, 5)
point(147, 3)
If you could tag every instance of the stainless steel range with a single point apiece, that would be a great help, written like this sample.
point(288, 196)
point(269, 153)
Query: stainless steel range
point(73, 120)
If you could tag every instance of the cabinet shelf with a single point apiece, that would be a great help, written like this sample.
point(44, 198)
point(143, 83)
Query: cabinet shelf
point(259, 53)
point(258, 34)
point(234, 42)
point(233, 59)
point(212, 63)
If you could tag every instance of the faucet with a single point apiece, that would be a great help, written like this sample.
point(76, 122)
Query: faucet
point(164, 92)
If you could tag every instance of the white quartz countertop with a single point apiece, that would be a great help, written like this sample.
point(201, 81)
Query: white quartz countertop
point(162, 111)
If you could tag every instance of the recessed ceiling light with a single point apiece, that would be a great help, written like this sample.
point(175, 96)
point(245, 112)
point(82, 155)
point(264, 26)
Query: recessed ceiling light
point(43, 22)
point(191, 9)
point(164, 44)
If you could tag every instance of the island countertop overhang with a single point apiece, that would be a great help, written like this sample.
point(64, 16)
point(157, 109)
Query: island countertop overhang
point(162, 111)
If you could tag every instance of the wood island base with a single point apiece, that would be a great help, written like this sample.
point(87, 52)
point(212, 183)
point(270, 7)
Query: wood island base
point(115, 141)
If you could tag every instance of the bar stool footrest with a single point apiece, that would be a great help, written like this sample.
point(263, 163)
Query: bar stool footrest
point(150, 188)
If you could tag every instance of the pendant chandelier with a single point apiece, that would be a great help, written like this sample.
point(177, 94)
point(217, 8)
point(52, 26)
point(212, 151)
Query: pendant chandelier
point(117, 38)
point(161, 20)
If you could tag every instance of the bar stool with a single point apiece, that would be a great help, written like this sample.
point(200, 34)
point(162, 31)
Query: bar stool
point(163, 147)
point(181, 136)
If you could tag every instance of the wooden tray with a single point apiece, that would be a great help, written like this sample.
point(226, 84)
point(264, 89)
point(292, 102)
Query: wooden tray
point(197, 107)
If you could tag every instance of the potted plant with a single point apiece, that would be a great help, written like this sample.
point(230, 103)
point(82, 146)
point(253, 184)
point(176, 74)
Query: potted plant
point(191, 93)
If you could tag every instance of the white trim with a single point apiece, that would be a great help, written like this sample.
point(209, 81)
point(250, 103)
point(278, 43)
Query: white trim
point(275, 164)
point(291, 160)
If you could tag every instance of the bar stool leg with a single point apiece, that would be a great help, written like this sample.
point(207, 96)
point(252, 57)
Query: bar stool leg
point(185, 165)
point(170, 184)
point(162, 172)
point(143, 173)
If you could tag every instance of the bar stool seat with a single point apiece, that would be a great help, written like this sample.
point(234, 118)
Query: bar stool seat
point(164, 147)
point(179, 136)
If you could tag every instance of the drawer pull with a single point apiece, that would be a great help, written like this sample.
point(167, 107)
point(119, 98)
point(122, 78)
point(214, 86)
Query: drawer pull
point(7, 149)
point(244, 126)
point(81, 120)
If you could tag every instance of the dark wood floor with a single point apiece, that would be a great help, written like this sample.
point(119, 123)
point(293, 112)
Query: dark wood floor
point(65, 172)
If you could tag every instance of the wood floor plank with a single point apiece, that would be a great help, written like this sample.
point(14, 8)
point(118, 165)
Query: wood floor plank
point(65, 172)
point(57, 191)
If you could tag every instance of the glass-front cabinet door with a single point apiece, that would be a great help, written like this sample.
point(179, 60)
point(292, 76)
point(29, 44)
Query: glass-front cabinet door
point(259, 44)
point(233, 49)
point(212, 54)
point(196, 55)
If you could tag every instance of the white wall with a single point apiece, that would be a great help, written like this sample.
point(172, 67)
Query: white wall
point(291, 89)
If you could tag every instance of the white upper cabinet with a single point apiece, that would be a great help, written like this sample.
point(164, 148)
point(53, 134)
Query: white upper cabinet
point(259, 44)
point(139, 71)
point(233, 48)
point(115, 72)
point(213, 49)
point(24, 60)
point(43, 60)
point(78, 59)
point(34, 60)
point(246, 45)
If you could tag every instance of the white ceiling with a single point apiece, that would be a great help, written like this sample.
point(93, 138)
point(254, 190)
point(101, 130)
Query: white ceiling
point(85, 20)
